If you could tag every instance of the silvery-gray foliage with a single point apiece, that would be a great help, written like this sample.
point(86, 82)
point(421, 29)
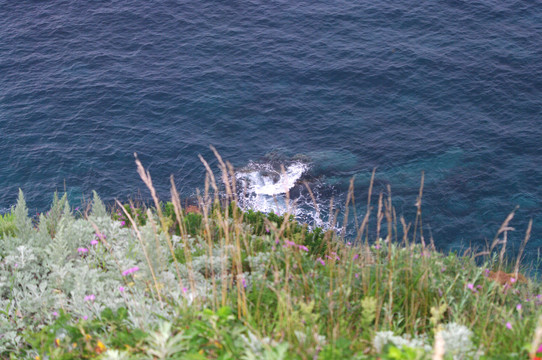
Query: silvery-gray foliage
point(54, 266)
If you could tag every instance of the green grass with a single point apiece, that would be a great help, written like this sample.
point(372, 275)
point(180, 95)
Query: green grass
point(281, 291)
point(7, 224)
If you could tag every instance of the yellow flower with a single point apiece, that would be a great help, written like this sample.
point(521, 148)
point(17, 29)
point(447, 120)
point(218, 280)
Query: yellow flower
point(100, 347)
point(37, 357)
point(57, 342)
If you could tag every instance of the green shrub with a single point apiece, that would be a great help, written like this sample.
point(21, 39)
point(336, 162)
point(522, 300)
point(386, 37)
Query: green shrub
point(7, 225)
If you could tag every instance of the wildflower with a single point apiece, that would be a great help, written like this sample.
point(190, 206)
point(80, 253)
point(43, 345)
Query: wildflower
point(518, 307)
point(94, 242)
point(185, 290)
point(122, 223)
point(377, 246)
point(303, 247)
point(356, 275)
point(130, 271)
point(443, 269)
point(55, 314)
point(321, 261)
point(121, 288)
point(90, 297)
point(57, 342)
point(16, 265)
point(244, 282)
point(100, 347)
point(85, 317)
point(288, 243)
point(509, 326)
point(486, 271)
point(471, 287)
point(356, 257)
point(82, 250)
point(513, 280)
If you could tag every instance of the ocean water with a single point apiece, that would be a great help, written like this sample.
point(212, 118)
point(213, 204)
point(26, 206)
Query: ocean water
point(329, 90)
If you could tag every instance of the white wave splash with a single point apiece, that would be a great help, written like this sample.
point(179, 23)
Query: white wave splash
point(264, 187)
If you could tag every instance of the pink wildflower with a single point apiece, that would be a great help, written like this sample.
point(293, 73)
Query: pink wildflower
point(85, 317)
point(356, 257)
point(518, 307)
point(509, 326)
point(55, 314)
point(122, 223)
point(94, 242)
point(130, 271)
point(90, 297)
point(304, 248)
point(121, 288)
point(82, 250)
point(185, 290)
point(321, 261)
point(289, 243)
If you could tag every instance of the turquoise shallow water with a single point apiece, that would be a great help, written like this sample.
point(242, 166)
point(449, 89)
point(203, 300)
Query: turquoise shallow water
point(452, 88)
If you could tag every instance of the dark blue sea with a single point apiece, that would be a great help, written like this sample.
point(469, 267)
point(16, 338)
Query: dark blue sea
point(328, 89)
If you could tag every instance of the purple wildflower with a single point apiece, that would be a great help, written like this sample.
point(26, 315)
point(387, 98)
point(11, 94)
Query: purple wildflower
point(518, 307)
point(321, 261)
point(356, 257)
point(244, 282)
point(130, 271)
point(289, 243)
point(90, 297)
point(82, 250)
point(85, 317)
point(185, 290)
point(121, 288)
point(122, 223)
point(94, 242)
point(55, 314)
point(303, 247)
point(509, 326)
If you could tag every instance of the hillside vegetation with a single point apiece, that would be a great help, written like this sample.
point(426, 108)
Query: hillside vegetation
point(210, 281)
